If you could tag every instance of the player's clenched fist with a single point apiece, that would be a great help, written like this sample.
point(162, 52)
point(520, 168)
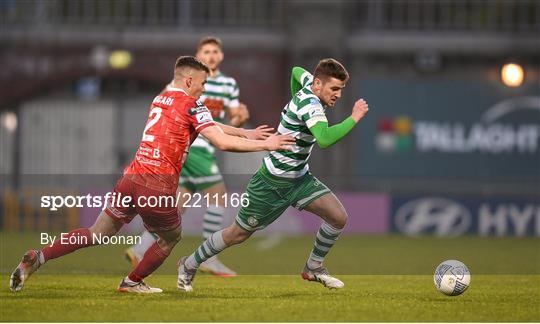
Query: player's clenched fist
point(359, 110)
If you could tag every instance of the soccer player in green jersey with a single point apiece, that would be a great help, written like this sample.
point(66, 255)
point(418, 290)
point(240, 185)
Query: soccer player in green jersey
point(284, 179)
point(201, 172)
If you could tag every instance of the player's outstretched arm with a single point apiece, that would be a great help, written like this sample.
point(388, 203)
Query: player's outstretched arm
point(328, 136)
point(226, 142)
point(299, 78)
point(231, 130)
point(260, 133)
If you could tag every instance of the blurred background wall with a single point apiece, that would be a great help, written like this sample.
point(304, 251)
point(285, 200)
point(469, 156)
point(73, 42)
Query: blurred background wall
point(447, 148)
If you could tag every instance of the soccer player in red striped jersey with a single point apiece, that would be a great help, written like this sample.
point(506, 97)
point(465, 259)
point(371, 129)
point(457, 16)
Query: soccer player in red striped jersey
point(175, 119)
point(201, 172)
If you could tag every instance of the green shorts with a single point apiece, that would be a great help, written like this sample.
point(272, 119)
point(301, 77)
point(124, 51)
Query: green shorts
point(200, 170)
point(270, 196)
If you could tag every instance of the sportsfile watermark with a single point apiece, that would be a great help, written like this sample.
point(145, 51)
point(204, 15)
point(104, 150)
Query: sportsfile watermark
point(186, 200)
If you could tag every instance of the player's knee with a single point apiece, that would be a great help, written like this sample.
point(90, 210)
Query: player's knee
point(235, 235)
point(167, 245)
point(168, 240)
point(341, 218)
point(105, 225)
point(177, 236)
point(175, 239)
point(233, 239)
point(241, 236)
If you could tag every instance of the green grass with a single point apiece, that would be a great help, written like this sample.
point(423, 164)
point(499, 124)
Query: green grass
point(388, 278)
point(273, 298)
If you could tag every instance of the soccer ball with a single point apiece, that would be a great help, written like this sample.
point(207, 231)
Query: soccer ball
point(452, 277)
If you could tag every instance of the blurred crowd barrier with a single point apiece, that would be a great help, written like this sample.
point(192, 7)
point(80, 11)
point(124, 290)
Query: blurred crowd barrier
point(370, 14)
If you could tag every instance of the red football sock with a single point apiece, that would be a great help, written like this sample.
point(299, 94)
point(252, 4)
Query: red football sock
point(74, 240)
point(151, 260)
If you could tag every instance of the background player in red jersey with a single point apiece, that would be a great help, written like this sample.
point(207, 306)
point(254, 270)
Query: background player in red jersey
point(176, 118)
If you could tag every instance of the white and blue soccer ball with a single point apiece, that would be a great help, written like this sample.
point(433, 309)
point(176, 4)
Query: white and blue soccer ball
point(452, 277)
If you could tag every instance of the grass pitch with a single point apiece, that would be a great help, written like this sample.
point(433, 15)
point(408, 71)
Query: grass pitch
point(387, 278)
point(273, 298)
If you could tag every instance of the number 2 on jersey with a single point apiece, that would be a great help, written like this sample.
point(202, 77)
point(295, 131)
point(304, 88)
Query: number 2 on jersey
point(152, 122)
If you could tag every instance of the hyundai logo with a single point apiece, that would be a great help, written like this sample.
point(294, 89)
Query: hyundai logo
point(439, 216)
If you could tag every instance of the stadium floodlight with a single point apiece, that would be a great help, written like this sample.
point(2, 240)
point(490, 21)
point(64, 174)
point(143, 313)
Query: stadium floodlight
point(120, 59)
point(512, 75)
point(9, 121)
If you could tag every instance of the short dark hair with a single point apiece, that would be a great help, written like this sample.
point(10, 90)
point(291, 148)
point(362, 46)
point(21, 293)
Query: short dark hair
point(190, 62)
point(330, 68)
point(210, 40)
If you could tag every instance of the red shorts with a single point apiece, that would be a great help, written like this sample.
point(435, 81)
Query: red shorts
point(156, 208)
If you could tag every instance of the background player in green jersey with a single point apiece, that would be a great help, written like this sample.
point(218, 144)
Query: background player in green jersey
point(284, 179)
point(201, 172)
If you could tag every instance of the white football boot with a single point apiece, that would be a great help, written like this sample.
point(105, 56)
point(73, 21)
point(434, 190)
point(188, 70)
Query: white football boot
point(321, 275)
point(28, 265)
point(137, 287)
point(185, 276)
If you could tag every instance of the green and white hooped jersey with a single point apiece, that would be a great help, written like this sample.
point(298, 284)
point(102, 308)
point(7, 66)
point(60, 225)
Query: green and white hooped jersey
point(302, 112)
point(221, 92)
